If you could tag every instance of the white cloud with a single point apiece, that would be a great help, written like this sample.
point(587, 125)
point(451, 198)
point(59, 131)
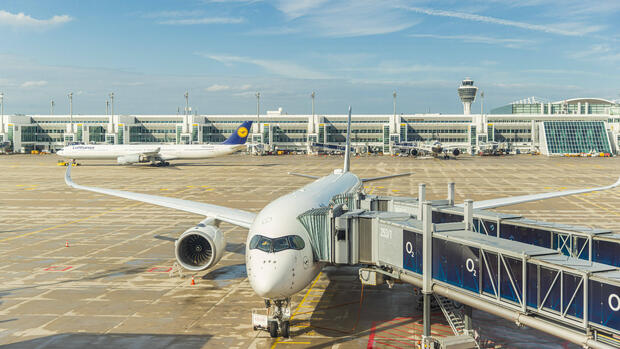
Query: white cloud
point(572, 29)
point(479, 39)
point(172, 14)
point(21, 20)
point(204, 20)
point(245, 87)
point(343, 18)
point(281, 68)
point(599, 52)
point(216, 88)
point(28, 84)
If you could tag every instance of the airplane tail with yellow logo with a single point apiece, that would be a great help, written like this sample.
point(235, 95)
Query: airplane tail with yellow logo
point(240, 135)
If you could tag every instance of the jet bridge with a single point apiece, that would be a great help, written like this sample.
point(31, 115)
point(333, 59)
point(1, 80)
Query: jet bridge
point(538, 274)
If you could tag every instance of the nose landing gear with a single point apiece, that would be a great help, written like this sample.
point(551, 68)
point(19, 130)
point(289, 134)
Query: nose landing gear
point(278, 318)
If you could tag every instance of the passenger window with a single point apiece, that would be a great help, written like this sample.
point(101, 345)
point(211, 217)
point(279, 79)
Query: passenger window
point(297, 242)
point(280, 244)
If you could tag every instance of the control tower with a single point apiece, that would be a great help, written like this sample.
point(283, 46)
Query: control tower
point(467, 93)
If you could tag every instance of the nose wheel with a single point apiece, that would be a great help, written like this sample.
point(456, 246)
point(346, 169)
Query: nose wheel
point(277, 319)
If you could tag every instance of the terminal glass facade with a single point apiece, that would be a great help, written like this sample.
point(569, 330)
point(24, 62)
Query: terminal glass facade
point(576, 137)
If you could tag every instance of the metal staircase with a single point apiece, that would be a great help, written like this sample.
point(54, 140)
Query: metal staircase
point(454, 316)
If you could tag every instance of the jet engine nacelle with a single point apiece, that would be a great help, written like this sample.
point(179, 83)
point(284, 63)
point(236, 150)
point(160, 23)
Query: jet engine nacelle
point(129, 159)
point(413, 152)
point(456, 152)
point(200, 247)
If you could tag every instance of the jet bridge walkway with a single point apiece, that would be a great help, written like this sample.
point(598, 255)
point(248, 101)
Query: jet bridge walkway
point(533, 273)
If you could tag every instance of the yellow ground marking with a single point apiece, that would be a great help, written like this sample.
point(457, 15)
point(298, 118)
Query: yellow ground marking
point(20, 185)
point(599, 206)
point(210, 189)
point(297, 310)
point(162, 189)
point(69, 223)
point(190, 186)
point(380, 187)
point(395, 190)
point(204, 186)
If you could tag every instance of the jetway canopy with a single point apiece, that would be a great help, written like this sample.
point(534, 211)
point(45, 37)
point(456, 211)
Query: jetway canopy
point(524, 276)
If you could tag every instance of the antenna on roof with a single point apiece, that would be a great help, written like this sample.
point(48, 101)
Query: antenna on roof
point(347, 149)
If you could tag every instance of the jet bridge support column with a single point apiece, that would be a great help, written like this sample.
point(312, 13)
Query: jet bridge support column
point(421, 198)
point(468, 214)
point(451, 193)
point(427, 263)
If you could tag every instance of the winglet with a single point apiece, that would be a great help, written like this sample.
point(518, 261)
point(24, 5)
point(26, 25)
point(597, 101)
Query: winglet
point(347, 149)
point(68, 176)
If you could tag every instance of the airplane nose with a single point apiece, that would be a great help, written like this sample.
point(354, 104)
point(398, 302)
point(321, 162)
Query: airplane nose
point(273, 275)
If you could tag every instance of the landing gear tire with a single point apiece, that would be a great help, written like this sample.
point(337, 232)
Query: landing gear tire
point(273, 329)
point(166, 163)
point(285, 330)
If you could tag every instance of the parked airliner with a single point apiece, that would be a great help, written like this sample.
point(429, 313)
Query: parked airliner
point(158, 155)
point(279, 258)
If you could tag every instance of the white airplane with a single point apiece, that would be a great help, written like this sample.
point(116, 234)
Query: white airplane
point(158, 155)
point(435, 149)
point(279, 258)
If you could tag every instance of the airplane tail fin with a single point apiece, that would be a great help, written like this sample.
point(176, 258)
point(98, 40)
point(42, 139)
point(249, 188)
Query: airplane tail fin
point(347, 149)
point(240, 135)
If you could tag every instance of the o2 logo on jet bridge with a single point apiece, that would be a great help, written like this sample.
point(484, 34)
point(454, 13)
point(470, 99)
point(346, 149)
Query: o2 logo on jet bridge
point(412, 251)
point(242, 132)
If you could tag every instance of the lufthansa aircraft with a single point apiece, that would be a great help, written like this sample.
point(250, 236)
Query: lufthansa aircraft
point(158, 155)
point(279, 258)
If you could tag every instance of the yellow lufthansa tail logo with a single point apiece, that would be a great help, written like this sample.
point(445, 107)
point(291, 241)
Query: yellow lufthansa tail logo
point(242, 132)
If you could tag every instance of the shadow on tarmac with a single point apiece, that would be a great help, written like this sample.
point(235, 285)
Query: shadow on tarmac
point(114, 340)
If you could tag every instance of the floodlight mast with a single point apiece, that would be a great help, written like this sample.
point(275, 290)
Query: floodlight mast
point(70, 95)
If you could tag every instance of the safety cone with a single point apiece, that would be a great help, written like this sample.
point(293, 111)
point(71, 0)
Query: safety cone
point(66, 243)
point(193, 282)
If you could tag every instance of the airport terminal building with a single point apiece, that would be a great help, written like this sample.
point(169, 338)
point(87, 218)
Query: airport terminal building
point(580, 125)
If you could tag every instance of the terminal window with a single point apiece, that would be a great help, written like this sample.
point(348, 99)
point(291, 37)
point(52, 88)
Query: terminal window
point(576, 137)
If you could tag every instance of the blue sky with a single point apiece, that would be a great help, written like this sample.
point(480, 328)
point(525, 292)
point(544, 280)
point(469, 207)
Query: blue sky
point(350, 52)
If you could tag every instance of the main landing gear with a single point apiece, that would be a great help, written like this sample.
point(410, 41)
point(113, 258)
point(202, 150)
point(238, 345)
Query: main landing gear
point(278, 317)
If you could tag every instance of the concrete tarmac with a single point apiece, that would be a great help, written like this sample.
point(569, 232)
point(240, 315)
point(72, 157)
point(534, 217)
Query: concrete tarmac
point(113, 285)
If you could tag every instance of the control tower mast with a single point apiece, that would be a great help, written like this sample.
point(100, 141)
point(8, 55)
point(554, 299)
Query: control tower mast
point(467, 93)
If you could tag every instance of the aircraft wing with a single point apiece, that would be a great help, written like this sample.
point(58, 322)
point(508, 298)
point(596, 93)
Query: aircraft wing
point(229, 215)
point(493, 203)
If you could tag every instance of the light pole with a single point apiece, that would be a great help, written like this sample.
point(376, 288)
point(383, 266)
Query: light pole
point(312, 95)
point(70, 95)
point(107, 108)
point(394, 95)
point(258, 109)
point(52, 107)
point(481, 103)
point(1, 112)
point(112, 103)
point(186, 102)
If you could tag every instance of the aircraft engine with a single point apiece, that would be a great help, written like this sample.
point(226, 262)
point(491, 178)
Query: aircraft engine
point(200, 247)
point(129, 159)
point(456, 152)
point(414, 152)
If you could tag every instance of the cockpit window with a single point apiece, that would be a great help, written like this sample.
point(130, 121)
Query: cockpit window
point(280, 244)
point(266, 244)
point(297, 242)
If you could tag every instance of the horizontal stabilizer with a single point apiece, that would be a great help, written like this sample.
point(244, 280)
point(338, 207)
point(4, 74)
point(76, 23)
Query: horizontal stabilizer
point(303, 175)
point(385, 177)
point(493, 203)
